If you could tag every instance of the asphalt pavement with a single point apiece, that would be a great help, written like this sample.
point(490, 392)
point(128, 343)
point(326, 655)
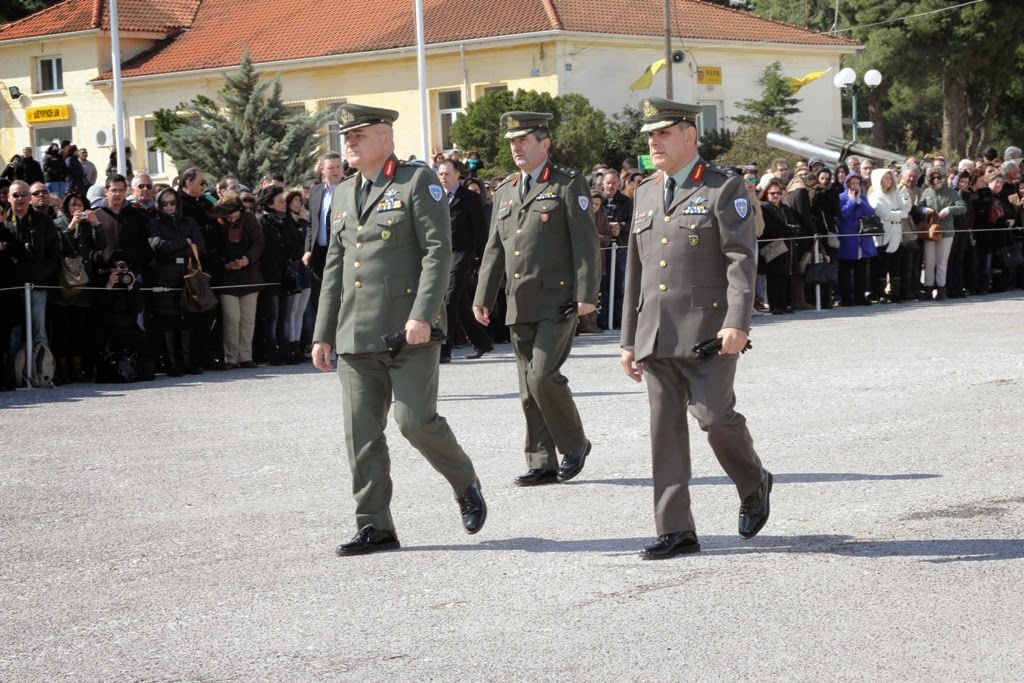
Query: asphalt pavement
point(184, 529)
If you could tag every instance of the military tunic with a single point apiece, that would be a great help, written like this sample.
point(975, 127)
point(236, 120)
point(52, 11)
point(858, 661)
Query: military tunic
point(690, 273)
point(545, 246)
point(385, 266)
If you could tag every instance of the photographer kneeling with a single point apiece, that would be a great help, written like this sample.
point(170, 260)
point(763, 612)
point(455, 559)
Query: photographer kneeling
point(125, 354)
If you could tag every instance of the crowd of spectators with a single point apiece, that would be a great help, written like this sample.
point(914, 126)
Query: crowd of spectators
point(108, 257)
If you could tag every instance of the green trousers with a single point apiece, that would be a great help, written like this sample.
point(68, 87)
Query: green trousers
point(368, 382)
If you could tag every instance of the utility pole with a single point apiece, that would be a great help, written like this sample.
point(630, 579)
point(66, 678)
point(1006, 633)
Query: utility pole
point(668, 51)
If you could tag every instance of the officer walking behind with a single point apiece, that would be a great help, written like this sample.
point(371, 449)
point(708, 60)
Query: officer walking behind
point(690, 280)
point(386, 271)
point(543, 241)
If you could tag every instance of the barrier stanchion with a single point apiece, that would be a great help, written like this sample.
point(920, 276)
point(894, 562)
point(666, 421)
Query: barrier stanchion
point(817, 288)
point(29, 362)
point(611, 286)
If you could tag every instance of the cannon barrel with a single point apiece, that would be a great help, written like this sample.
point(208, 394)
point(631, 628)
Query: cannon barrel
point(877, 153)
point(803, 148)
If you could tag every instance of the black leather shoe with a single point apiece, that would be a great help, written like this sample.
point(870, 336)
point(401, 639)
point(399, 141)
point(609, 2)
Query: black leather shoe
point(445, 360)
point(536, 477)
point(473, 508)
point(480, 351)
point(754, 508)
point(369, 540)
point(670, 545)
point(572, 463)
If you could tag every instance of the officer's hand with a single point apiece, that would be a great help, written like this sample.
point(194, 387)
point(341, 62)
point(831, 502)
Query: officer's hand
point(733, 340)
point(322, 356)
point(417, 332)
point(482, 315)
point(634, 368)
point(583, 308)
point(307, 258)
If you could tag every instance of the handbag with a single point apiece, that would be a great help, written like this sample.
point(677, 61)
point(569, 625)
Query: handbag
point(871, 225)
point(824, 273)
point(197, 295)
point(934, 232)
point(995, 211)
point(773, 249)
point(290, 279)
point(73, 275)
point(1011, 255)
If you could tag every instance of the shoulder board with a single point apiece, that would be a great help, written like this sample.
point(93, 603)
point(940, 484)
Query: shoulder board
point(565, 170)
point(508, 179)
point(653, 176)
point(723, 170)
point(347, 179)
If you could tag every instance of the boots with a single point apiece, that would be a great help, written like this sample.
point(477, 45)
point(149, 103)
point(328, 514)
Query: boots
point(173, 365)
point(60, 374)
point(799, 294)
point(295, 353)
point(896, 290)
point(588, 324)
point(77, 373)
point(188, 362)
point(925, 294)
point(940, 294)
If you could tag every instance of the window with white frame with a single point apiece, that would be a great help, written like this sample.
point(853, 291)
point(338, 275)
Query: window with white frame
point(155, 162)
point(449, 107)
point(335, 140)
point(709, 118)
point(51, 74)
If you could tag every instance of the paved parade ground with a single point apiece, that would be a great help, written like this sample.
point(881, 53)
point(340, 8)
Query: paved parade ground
point(185, 530)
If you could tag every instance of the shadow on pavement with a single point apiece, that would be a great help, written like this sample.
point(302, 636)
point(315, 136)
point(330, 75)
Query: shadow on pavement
point(929, 550)
point(783, 478)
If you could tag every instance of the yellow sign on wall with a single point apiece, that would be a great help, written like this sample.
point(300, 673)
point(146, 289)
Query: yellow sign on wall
point(56, 112)
point(709, 75)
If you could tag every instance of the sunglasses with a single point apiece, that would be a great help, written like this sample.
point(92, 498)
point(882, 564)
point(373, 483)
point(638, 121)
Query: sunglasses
point(750, 181)
point(144, 186)
point(19, 195)
point(774, 194)
point(170, 203)
point(40, 193)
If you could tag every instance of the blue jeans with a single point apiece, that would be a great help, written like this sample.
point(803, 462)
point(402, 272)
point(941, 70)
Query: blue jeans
point(38, 323)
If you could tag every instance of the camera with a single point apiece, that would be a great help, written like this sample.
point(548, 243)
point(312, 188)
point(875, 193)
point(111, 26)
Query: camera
point(124, 279)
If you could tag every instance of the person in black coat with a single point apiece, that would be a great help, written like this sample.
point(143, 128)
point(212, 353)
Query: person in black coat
point(279, 247)
point(172, 236)
point(28, 169)
point(118, 336)
point(779, 224)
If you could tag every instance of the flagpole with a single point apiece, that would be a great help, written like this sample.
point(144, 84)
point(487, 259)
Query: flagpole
point(115, 62)
point(668, 51)
point(421, 70)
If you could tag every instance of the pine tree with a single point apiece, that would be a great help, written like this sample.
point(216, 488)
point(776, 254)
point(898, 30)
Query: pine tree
point(246, 134)
point(776, 105)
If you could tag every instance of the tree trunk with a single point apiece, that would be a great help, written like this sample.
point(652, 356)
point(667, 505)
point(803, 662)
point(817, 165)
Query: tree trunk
point(983, 127)
point(876, 112)
point(954, 110)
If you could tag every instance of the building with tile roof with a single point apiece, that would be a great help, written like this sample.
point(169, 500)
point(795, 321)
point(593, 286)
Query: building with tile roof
point(327, 53)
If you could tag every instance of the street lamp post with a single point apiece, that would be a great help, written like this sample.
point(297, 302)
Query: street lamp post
point(847, 79)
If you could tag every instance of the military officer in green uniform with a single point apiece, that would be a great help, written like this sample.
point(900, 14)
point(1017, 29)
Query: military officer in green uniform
point(690, 279)
point(386, 271)
point(544, 245)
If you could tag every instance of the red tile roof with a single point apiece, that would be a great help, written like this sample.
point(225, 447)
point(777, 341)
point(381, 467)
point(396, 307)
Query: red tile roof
point(218, 31)
point(82, 15)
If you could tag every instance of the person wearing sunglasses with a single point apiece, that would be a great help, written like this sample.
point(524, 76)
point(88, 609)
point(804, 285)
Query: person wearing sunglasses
point(40, 198)
point(143, 195)
point(29, 244)
point(172, 236)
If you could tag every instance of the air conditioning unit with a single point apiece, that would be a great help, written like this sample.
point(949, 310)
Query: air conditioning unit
point(105, 137)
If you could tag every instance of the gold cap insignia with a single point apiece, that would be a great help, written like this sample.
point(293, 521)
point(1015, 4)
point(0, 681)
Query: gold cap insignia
point(345, 117)
point(649, 109)
point(512, 122)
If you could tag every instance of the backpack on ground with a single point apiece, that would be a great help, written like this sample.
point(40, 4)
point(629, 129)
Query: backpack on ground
point(43, 367)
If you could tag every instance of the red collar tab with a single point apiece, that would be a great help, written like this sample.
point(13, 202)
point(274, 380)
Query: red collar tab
point(698, 173)
point(515, 181)
point(545, 175)
point(661, 176)
point(389, 168)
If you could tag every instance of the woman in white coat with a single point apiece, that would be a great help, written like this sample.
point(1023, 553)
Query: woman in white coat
point(889, 205)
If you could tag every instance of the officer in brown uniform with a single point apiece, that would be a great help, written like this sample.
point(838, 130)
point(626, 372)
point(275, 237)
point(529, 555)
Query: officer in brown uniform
point(386, 271)
point(690, 279)
point(543, 241)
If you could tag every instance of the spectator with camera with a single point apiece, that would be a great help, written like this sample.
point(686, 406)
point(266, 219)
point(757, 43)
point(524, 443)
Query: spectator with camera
point(33, 253)
point(124, 226)
point(123, 350)
point(172, 236)
point(70, 306)
point(855, 249)
point(239, 244)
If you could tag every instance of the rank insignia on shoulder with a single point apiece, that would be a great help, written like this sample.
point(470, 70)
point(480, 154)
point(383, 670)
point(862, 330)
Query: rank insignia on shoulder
point(436, 192)
point(741, 207)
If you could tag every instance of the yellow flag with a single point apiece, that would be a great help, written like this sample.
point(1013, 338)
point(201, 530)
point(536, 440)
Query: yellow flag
point(797, 83)
point(645, 81)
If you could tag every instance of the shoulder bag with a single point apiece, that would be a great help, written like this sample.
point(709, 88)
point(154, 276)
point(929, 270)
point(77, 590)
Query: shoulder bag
point(73, 275)
point(196, 294)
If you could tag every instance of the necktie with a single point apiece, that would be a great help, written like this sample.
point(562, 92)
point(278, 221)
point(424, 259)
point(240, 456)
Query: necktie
point(364, 195)
point(670, 193)
point(525, 186)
